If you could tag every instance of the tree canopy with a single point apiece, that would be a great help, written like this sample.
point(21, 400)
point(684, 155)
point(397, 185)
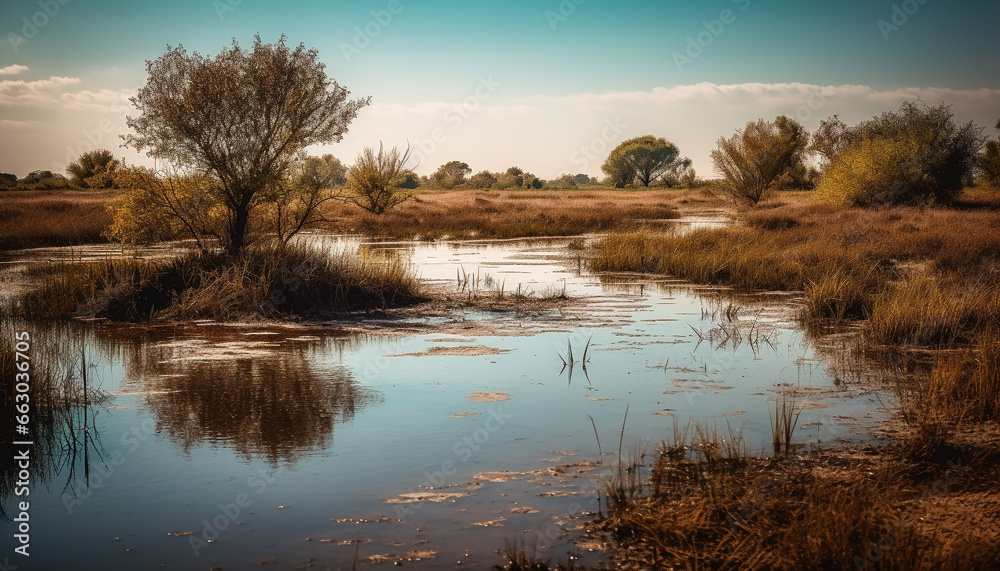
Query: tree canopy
point(642, 159)
point(241, 118)
point(482, 180)
point(451, 174)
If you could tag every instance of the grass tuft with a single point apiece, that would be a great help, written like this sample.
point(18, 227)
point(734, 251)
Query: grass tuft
point(783, 423)
point(934, 311)
point(269, 281)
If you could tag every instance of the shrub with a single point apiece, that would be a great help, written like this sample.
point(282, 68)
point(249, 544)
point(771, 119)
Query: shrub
point(752, 160)
point(507, 180)
point(43, 180)
point(409, 180)
point(375, 179)
point(450, 175)
point(914, 155)
point(93, 169)
point(482, 180)
point(531, 181)
point(875, 171)
point(153, 207)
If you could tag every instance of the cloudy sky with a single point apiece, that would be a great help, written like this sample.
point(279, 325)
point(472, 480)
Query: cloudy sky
point(548, 85)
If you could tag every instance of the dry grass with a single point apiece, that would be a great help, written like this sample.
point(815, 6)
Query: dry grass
point(30, 219)
point(783, 423)
point(775, 514)
point(710, 504)
point(926, 277)
point(60, 217)
point(965, 384)
point(844, 259)
point(512, 213)
point(523, 556)
point(935, 311)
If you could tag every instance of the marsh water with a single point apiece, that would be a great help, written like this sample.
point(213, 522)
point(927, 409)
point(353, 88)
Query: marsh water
point(421, 440)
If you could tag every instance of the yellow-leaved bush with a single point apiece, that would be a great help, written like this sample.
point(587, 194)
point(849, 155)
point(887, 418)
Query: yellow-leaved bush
point(151, 208)
point(876, 171)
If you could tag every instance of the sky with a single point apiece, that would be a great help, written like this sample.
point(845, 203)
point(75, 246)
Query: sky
point(550, 86)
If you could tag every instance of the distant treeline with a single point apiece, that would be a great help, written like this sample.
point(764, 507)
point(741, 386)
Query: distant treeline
point(35, 180)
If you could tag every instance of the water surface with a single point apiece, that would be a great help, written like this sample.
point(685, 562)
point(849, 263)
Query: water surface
point(422, 441)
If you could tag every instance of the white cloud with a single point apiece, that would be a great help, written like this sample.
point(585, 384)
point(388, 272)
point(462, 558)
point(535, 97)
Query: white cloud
point(440, 108)
point(55, 93)
point(545, 135)
point(104, 99)
point(770, 94)
point(13, 69)
point(38, 92)
point(790, 95)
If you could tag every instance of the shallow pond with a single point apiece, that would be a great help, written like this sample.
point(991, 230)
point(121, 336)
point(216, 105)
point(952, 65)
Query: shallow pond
point(417, 440)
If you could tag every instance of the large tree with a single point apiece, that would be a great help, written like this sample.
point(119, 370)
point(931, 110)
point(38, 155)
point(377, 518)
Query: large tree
point(642, 159)
point(753, 159)
point(241, 118)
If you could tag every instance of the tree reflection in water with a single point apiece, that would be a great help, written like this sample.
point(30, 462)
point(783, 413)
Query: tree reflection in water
point(274, 398)
point(264, 399)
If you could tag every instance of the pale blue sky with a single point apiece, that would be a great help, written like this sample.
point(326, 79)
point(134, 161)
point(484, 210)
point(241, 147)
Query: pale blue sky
point(558, 81)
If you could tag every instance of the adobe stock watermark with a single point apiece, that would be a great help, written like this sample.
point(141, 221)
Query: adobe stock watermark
point(464, 449)
point(552, 533)
point(223, 7)
point(212, 529)
point(597, 148)
point(364, 35)
point(33, 24)
point(563, 11)
point(697, 44)
point(80, 490)
point(814, 102)
point(899, 16)
point(456, 117)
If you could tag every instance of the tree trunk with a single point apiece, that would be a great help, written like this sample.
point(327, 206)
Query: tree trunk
point(238, 230)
